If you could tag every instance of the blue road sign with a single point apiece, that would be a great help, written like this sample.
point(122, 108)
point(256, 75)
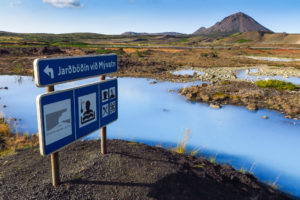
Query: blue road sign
point(51, 71)
point(65, 116)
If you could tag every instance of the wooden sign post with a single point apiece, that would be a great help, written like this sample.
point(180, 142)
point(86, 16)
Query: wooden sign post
point(103, 130)
point(54, 156)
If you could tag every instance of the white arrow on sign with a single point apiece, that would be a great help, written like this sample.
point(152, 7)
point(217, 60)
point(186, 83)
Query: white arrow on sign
point(49, 71)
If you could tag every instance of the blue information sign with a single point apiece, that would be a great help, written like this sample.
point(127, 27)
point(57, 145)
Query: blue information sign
point(51, 71)
point(68, 115)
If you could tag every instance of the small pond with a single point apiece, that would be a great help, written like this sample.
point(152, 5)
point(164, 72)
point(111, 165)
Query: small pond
point(149, 113)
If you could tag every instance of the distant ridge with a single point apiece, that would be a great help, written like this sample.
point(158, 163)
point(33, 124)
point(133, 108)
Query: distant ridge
point(163, 33)
point(236, 23)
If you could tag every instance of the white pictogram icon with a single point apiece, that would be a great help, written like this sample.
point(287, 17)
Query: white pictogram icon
point(105, 111)
point(104, 95)
point(112, 107)
point(49, 71)
point(87, 109)
point(112, 93)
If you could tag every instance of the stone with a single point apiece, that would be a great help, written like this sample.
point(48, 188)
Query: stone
point(214, 105)
point(252, 106)
point(187, 76)
point(189, 96)
point(184, 91)
point(205, 97)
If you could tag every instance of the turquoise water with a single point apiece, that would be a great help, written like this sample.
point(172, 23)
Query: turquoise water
point(150, 114)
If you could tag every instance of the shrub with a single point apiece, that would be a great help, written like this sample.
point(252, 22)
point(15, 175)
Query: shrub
point(243, 41)
point(139, 54)
point(212, 54)
point(280, 85)
point(119, 51)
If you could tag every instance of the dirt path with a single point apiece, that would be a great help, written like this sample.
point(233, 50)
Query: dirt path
point(129, 171)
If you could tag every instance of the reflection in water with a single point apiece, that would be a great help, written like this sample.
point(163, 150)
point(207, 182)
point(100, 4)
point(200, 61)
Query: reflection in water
point(19, 79)
point(188, 72)
point(151, 114)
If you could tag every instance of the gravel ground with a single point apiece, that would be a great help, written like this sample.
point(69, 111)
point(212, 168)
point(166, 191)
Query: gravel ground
point(129, 171)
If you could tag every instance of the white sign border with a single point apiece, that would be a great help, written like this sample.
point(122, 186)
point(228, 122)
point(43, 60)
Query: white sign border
point(39, 116)
point(37, 75)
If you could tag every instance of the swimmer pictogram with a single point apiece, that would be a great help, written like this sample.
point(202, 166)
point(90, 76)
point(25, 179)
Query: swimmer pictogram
point(87, 105)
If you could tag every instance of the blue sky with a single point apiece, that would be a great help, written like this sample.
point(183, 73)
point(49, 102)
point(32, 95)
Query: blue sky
point(118, 16)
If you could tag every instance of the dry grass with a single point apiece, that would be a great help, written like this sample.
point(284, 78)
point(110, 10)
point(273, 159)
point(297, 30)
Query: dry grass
point(10, 143)
point(181, 146)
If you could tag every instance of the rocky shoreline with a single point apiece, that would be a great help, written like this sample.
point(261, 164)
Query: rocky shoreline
point(243, 93)
point(216, 74)
point(130, 170)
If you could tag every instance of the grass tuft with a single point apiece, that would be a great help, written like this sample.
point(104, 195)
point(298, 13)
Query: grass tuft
point(195, 152)
point(199, 166)
point(181, 147)
point(279, 85)
point(243, 170)
point(212, 159)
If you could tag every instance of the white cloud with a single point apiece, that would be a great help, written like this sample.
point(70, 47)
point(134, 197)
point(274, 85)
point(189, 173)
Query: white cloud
point(14, 3)
point(64, 3)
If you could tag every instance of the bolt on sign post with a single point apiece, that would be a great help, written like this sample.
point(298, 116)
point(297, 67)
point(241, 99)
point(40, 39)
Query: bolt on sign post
point(67, 115)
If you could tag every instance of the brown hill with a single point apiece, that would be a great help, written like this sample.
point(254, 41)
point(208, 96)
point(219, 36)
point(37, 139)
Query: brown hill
point(260, 37)
point(144, 33)
point(238, 22)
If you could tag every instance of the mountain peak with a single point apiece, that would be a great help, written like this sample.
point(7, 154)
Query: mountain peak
point(238, 22)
